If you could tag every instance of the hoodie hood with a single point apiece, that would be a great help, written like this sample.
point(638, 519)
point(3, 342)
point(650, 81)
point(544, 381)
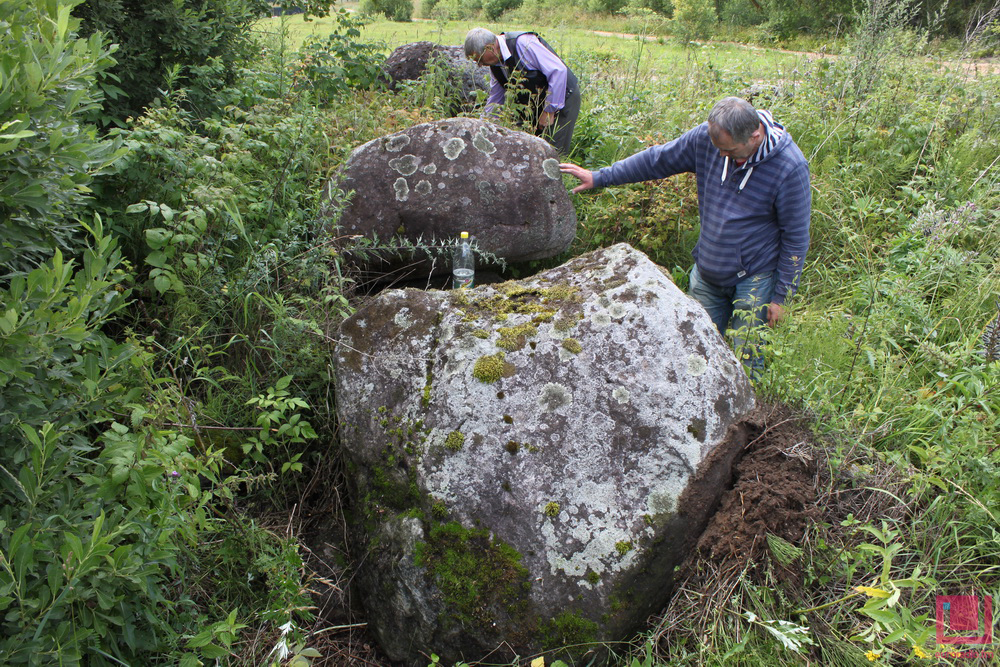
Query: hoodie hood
point(774, 134)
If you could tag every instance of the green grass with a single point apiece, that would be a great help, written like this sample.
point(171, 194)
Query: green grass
point(658, 54)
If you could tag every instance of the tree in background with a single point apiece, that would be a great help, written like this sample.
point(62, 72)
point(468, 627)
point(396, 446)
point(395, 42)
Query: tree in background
point(195, 44)
point(694, 19)
point(394, 10)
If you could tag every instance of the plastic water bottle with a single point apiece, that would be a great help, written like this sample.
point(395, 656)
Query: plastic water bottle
point(463, 264)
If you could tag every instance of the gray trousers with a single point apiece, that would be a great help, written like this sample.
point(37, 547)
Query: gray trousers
point(560, 133)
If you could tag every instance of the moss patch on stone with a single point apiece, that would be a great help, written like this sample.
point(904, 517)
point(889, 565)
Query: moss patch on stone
point(567, 321)
point(480, 578)
point(570, 630)
point(515, 338)
point(623, 547)
point(572, 345)
point(552, 509)
point(455, 441)
point(514, 298)
point(491, 367)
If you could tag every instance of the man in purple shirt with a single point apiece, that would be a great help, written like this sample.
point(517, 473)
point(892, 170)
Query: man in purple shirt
point(524, 63)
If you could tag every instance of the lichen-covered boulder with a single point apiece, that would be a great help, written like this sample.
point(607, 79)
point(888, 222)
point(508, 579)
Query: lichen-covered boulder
point(411, 61)
point(531, 460)
point(435, 180)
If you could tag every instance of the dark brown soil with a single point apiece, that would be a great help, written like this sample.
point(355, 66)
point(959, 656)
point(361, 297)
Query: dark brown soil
point(774, 492)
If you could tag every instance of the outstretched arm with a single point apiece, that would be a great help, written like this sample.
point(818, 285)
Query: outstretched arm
point(586, 176)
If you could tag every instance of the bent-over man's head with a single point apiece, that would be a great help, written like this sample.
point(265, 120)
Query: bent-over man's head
point(480, 46)
point(735, 128)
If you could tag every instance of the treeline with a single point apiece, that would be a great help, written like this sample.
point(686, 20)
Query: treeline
point(779, 19)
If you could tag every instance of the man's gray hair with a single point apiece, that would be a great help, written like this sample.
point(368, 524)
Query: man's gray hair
point(476, 41)
point(734, 115)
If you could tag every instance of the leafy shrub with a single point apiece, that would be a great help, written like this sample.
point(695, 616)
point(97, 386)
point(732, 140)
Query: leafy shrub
point(91, 516)
point(203, 41)
point(48, 152)
point(494, 9)
point(742, 13)
point(788, 18)
point(606, 6)
point(694, 19)
point(394, 10)
point(341, 63)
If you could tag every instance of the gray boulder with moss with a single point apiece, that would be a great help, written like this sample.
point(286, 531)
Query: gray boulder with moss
point(531, 460)
point(433, 181)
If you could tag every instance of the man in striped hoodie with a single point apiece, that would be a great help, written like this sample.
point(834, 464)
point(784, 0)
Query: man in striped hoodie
point(754, 203)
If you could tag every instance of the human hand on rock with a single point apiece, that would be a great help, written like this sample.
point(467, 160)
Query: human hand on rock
point(586, 176)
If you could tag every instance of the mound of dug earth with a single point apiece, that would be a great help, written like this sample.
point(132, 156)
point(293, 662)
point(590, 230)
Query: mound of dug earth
point(774, 492)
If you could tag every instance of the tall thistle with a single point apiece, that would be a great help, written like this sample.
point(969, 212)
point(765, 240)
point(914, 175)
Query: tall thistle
point(991, 338)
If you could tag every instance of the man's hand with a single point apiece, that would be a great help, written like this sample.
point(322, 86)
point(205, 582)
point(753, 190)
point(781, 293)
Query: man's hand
point(545, 119)
point(586, 177)
point(775, 313)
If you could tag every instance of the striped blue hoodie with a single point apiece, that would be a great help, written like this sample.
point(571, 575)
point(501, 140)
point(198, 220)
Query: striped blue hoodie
point(754, 217)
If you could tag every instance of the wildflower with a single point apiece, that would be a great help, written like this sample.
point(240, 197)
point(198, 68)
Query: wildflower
point(919, 652)
point(873, 656)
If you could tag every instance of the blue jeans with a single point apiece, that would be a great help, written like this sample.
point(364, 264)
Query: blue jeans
point(741, 307)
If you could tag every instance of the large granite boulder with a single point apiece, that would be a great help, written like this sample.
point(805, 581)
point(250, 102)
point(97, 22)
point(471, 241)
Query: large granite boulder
point(411, 61)
point(432, 181)
point(531, 460)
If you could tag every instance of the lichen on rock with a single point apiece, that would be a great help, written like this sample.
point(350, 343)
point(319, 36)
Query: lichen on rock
point(558, 414)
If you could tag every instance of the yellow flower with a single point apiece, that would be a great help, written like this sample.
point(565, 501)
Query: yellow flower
point(919, 652)
point(873, 656)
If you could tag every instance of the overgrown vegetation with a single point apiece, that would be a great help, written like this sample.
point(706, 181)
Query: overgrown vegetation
point(168, 293)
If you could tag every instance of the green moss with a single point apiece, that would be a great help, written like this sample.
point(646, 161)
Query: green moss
point(623, 547)
point(593, 577)
point(514, 338)
point(439, 510)
point(515, 298)
point(567, 321)
point(480, 578)
point(454, 441)
point(569, 630)
point(425, 396)
point(612, 283)
point(573, 345)
point(481, 333)
point(552, 509)
point(490, 368)
point(512, 446)
point(390, 490)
